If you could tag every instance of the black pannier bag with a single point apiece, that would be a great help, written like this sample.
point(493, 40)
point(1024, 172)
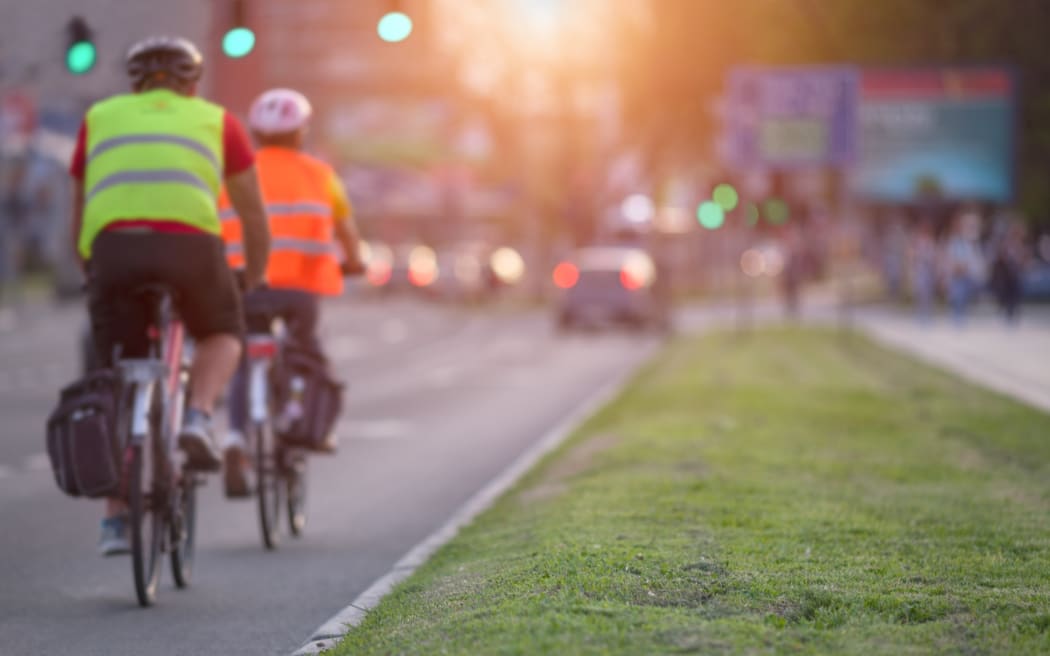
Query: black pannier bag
point(310, 400)
point(82, 439)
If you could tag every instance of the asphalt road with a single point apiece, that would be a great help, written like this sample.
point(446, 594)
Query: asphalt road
point(441, 400)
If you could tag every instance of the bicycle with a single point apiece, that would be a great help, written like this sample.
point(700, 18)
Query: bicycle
point(280, 469)
point(161, 495)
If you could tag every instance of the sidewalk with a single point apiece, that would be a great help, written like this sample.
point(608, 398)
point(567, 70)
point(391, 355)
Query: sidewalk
point(1013, 360)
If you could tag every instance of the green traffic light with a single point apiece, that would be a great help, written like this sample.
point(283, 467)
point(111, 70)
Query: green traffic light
point(80, 57)
point(394, 27)
point(711, 215)
point(238, 42)
point(726, 196)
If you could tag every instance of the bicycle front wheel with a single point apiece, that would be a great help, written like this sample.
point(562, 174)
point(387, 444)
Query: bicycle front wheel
point(146, 519)
point(268, 482)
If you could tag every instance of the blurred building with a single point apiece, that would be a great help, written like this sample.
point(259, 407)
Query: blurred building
point(33, 50)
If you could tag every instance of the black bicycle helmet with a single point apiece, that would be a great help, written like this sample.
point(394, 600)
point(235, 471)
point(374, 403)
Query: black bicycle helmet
point(163, 56)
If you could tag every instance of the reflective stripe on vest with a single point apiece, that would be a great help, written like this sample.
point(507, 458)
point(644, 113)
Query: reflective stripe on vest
point(114, 142)
point(318, 210)
point(277, 245)
point(155, 155)
point(161, 175)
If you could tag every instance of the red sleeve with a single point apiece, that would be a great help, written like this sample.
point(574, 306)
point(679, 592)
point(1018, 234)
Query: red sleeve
point(237, 148)
point(79, 161)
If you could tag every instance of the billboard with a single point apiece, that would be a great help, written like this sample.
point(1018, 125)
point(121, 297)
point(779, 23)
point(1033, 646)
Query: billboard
point(943, 133)
point(791, 117)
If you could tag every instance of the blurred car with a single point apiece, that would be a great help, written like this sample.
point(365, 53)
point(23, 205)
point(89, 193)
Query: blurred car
point(610, 285)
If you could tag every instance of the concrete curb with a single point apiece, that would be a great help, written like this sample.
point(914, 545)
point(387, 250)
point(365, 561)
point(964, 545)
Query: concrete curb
point(329, 634)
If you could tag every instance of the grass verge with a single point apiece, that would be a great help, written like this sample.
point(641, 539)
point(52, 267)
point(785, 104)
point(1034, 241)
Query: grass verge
point(796, 491)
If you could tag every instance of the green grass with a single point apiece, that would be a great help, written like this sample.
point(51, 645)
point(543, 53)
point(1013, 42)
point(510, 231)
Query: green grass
point(792, 492)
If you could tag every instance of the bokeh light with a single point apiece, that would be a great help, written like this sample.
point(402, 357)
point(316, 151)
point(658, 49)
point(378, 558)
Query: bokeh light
point(238, 42)
point(394, 27)
point(422, 266)
point(638, 271)
point(773, 262)
point(726, 196)
point(80, 58)
point(508, 265)
point(378, 259)
point(752, 263)
point(566, 275)
point(711, 215)
point(776, 211)
point(638, 208)
point(751, 214)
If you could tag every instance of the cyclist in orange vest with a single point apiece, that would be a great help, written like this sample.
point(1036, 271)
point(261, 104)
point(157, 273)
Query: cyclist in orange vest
point(309, 216)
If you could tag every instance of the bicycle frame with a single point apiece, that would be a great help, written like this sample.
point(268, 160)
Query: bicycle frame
point(145, 374)
point(262, 350)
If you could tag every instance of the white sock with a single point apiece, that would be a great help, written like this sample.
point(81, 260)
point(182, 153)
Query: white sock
point(234, 438)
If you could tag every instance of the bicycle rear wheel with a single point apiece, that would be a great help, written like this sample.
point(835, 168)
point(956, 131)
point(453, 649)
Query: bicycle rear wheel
point(146, 518)
point(294, 476)
point(268, 481)
point(184, 530)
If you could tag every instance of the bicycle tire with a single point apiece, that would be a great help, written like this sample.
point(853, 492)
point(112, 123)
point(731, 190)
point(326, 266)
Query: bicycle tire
point(147, 525)
point(268, 483)
point(295, 485)
point(184, 531)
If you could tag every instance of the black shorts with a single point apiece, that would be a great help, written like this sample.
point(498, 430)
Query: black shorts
point(193, 265)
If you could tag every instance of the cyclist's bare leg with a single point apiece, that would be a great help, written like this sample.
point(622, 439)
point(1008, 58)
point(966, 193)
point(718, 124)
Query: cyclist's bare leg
point(115, 507)
point(214, 362)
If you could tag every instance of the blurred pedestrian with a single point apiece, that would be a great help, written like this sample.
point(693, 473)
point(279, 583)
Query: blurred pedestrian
point(894, 254)
point(964, 264)
point(794, 269)
point(1009, 258)
point(13, 211)
point(922, 264)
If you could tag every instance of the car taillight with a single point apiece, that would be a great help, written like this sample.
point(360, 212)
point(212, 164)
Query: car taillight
point(638, 271)
point(422, 266)
point(630, 281)
point(566, 275)
point(421, 277)
point(378, 273)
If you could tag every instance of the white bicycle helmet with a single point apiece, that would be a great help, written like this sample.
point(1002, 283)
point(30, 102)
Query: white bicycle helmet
point(163, 56)
point(279, 111)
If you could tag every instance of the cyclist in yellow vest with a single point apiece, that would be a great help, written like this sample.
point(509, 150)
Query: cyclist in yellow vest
point(148, 167)
point(310, 222)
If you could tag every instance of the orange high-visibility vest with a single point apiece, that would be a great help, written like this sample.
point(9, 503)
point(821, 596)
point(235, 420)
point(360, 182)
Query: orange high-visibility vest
point(297, 190)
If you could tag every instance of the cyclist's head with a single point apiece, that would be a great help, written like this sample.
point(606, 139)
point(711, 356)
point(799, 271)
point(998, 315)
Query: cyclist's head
point(280, 117)
point(166, 62)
